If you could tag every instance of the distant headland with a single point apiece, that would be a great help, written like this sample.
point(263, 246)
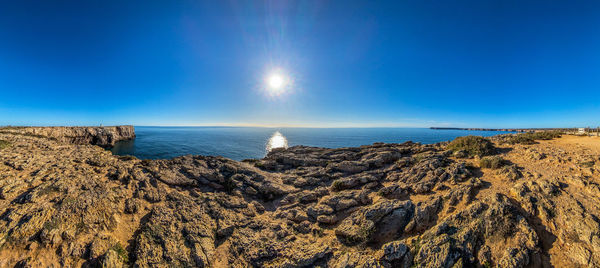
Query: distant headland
point(507, 129)
point(105, 136)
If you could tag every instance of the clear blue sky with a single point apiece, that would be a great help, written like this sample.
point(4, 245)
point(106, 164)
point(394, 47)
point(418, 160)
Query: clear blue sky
point(353, 63)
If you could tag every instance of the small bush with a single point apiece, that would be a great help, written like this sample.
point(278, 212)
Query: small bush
point(4, 144)
point(318, 232)
point(493, 162)
point(511, 172)
point(121, 252)
point(229, 185)
point(127, 157)
point(48, 190)
point(255, 162)
point(80, 227)
point(419, 157)
point(587, 163)
point(546, 135)
point(415, 246)
point(337, 185)
point(51, 224)
point(530, 137)
point(472, 145)
point(520, 139)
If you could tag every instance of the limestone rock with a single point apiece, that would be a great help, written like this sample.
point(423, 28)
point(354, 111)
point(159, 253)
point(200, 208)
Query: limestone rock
point(377, 222)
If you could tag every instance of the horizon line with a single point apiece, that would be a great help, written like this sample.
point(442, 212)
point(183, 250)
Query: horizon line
point(292, 126)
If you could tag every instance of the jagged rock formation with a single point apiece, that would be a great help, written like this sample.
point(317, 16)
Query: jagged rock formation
point(382, 205)
point(101, 136)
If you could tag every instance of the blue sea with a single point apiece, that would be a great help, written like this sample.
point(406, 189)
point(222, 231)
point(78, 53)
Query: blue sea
point(240, 143)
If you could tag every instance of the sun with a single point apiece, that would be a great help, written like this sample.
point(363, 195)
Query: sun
point(276, 81)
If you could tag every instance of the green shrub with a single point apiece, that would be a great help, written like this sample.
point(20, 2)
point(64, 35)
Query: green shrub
point(318, 231)
point(546, 135)
point(416, 246)
point(4, 144)
point(127, 157)
point(337, 185)
point(81, 227)
point(255, 162)
point(530, 137)
point(590, 163)
point(122, 252)
point(420, 157)
point(472, 145)
point(228, 184)
point(511, 172)
point(520, 139)
point(45, 190)
point(51, 224)
point(493, 162)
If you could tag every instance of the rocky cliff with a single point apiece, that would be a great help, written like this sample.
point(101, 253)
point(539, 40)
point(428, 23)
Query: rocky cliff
point(101, 136)
point(381, 205)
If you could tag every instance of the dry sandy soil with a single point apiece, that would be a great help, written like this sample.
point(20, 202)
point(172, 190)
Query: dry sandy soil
point(573, 164)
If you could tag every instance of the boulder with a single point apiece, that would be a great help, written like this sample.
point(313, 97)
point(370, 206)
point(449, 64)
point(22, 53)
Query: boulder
point(378, 222)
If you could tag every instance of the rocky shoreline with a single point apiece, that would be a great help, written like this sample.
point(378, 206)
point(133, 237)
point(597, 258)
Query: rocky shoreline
point(102, 136)
point(472, 202)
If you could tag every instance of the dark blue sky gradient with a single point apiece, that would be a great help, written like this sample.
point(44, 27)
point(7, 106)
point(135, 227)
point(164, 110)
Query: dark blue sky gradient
point(354, 63)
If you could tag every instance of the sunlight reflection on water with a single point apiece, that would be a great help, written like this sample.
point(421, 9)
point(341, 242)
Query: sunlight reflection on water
point(276, 141)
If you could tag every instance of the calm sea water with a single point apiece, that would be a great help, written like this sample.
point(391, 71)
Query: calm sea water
point(247, 142)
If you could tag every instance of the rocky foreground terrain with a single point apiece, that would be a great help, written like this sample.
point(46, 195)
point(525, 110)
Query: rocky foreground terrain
point(505, 203)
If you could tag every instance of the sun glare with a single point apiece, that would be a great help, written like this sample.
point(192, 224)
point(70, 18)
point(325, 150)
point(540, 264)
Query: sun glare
point(276, 141)
point(276, 81)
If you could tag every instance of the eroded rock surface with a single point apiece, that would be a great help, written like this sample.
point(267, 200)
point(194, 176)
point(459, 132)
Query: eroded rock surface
point(101, 136)
point(381, 205)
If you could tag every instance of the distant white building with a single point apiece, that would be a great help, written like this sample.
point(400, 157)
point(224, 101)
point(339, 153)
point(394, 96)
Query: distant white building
point(581, 130)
